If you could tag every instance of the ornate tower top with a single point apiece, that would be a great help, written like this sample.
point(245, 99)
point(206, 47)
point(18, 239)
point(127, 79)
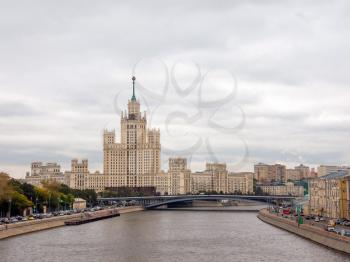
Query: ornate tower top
point(133, 98)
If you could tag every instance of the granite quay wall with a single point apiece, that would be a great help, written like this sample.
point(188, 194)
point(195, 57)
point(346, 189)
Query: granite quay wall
point(24, 227)
point(318, 235)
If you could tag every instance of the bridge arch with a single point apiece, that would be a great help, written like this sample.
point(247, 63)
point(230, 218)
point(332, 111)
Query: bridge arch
point(153, 202)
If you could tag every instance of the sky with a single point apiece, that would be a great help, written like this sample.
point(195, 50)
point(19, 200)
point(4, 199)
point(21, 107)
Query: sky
point(239, 82)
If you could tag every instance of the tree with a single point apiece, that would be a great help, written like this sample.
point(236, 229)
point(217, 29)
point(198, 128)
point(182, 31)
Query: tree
point(4, 186)
point(19, 202)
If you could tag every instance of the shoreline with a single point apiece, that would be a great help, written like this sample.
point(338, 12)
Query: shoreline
point(201, 209)
point(312, 233)
point(25, 227)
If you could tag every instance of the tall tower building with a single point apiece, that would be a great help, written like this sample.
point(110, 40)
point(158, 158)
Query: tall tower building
point(137, 154)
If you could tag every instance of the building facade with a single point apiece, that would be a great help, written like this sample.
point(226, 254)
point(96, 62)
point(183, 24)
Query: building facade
point(304, 171)
point(135, 161)
point(330, 195)
point(288, 189)
point(45, 172)
point(240, 183)
point(265, 174)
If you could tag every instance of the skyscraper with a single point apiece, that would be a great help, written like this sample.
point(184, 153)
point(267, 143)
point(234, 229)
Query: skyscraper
point(138, 153)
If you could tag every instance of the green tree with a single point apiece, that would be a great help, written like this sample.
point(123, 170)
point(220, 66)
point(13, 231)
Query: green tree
point(19, 202)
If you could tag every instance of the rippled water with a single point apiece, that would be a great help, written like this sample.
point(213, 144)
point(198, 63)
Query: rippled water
point(167, 236)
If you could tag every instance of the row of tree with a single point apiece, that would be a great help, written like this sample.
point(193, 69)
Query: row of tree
point(16, 196)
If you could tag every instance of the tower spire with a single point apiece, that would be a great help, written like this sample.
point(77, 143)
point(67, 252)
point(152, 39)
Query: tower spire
point(133, 98)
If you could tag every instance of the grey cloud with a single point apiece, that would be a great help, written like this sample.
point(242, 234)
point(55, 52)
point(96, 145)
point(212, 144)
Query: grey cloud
point(62, 64)
point(13, 109)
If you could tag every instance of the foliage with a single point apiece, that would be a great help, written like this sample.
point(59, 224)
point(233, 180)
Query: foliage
point(4, 186)
point(51, 194)
point(19, 202)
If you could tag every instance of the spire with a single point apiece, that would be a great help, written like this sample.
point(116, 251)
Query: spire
point(133, 98)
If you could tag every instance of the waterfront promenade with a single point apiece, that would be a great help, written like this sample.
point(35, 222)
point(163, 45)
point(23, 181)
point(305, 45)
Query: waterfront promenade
point(310, 232)
point(20, 228)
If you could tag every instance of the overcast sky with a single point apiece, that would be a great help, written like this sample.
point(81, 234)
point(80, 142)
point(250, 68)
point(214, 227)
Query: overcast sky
point(239, 82)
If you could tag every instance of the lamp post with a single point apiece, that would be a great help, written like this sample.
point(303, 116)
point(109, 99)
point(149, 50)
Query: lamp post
point(10, 204)
point(36, 205)
point(49, 202)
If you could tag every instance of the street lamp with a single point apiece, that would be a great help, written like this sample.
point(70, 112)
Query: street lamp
point(49, 202)
point(10, 202)
point(36, 205)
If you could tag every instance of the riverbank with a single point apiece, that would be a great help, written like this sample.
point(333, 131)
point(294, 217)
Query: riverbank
point(25, 227)
point(210, 209)
point(318, 235)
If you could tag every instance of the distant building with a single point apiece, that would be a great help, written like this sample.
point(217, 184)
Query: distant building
point(45, 172)
point(79, 177)
point(293, 175)
point(303, 170)
point(179, 177)
point(287, 189)
point(313, 173)
point(240, 183)
point(265, 174)
point(325, 170)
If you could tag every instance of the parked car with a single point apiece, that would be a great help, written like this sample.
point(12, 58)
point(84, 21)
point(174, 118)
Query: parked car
point(13, 220)
point(330, 229)
point(338, 221)
point(317, 219)
point(347, 233)
point(48, 215)
point(346, 223)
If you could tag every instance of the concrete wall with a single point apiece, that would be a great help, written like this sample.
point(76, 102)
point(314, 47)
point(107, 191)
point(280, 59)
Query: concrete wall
point(38, 225)
point(318, 235)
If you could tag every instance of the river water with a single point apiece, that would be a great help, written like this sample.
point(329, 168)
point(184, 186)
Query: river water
point(167, 236)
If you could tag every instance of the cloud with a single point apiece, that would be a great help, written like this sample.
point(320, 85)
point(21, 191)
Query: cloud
point(62, 65)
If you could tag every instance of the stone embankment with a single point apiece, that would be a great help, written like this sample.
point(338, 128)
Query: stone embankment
point(20, 228)
point(316, 234)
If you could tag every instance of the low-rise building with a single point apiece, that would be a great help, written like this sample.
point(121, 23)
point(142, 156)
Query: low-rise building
point(287, 189)
point(79, 203)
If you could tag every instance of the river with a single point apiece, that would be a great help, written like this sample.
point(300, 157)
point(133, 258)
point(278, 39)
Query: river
point(167, 236)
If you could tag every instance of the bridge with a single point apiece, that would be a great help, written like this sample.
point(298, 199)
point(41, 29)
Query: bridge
point(151, 202)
